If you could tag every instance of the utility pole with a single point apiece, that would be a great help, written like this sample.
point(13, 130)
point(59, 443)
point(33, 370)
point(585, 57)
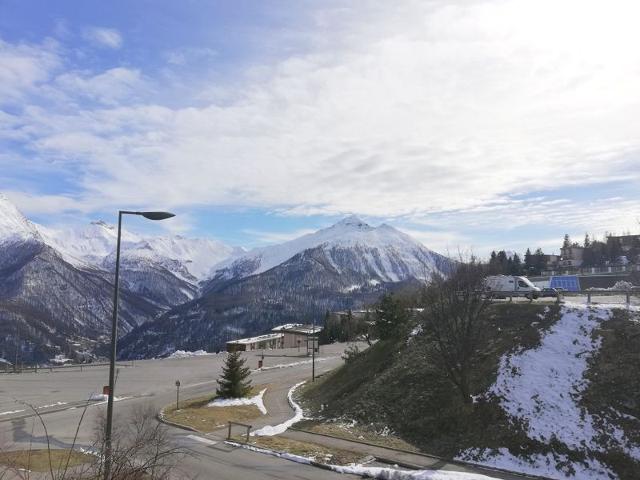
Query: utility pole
point(313, 351)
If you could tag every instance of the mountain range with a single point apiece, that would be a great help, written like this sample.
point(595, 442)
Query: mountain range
point(184, 293)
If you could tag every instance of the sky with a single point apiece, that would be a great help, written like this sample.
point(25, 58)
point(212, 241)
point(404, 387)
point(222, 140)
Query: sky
point(471, 125)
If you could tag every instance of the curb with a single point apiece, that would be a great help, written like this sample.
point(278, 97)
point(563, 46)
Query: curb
point(161, 419)
point(426, 455)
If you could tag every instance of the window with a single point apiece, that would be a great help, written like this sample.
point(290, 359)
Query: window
point(522, 284)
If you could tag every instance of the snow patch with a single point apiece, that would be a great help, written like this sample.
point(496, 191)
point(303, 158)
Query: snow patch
point(234, 402)
point(10, 412)
point(270, 430)
point(371, 472)
point(187, 354)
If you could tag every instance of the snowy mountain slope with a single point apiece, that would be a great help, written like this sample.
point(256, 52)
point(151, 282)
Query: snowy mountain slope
point(384, 253)
point(190, 259)
point(45, 301)
point(14, 227)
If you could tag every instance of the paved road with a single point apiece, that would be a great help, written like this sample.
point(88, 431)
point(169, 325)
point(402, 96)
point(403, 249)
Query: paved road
point(62, 393)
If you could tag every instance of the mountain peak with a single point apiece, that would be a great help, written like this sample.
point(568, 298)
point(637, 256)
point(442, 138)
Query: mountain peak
point(13, 224)
point(353, 221)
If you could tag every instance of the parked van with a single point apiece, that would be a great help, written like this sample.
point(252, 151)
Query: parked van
point(501, 286)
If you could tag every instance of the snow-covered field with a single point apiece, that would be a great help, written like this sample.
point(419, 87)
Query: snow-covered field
point(541, 389)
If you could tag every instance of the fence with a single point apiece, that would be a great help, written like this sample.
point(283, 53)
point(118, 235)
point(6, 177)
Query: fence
point(8, 368)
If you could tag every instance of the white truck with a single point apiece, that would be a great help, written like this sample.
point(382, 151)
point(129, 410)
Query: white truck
point(502, 286)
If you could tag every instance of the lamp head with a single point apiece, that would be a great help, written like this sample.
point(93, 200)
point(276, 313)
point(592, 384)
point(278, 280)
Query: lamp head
point(157, 215)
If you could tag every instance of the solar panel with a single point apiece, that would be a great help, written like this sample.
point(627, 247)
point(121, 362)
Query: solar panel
point(570, 283)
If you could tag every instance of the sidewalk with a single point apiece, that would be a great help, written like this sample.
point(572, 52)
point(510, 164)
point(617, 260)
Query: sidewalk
point(401, 458)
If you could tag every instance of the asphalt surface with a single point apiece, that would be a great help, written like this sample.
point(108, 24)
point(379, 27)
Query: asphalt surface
point(60, 396)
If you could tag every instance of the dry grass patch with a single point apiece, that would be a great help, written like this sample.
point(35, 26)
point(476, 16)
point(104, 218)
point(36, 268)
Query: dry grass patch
point(319, 453)
point(38, 460)
point(194, 413)
point(356, 432)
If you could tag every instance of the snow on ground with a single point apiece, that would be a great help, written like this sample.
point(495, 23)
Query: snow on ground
point(542, 387)
point(97, 397)
point(372, 472)
point(10, 412)
point(234, 402)
point(187, 354)
point(271, 430)
point(56, 404)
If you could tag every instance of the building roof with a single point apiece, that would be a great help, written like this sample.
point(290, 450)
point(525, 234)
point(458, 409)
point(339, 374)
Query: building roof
point(286, 326)
point(260, 338)
point(297, 328)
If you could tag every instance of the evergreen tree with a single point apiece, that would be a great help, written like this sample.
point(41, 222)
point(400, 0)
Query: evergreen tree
point(587, 241)
point(233, 383)
point(391, 317)
point(528, 261)
point(567, 241)
point(538, 261)
point(516, 265)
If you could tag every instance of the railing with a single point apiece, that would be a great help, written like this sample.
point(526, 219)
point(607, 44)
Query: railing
point(603, 293)
point(52, 368)
point(248, 427)
point(591, 270)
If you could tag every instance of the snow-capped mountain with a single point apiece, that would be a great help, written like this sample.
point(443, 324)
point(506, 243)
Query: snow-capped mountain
point(383, 253)
point(48, 304)
point(14, 227)
point(190, 259)
point(347, 265)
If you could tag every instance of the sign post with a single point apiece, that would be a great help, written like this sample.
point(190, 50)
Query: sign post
point(177, 394)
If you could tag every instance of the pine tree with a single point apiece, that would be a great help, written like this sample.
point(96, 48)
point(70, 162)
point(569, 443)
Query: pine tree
point(567, 241)
point(528, 261)
point(233, 383)
point(391, 317)
point(587, 240)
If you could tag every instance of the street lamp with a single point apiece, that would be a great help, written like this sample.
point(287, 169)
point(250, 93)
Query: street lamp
point(114, 332)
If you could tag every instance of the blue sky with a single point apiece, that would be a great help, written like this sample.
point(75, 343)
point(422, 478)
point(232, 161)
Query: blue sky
point(470, 125)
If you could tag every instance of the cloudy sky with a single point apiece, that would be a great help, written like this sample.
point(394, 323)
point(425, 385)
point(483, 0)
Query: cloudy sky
point(469, 124)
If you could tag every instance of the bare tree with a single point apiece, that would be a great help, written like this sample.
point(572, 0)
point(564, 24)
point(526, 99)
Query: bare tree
point(453, 320)
point(141, 449)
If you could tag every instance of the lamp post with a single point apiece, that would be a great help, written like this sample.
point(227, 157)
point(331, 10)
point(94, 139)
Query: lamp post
point(114, 332)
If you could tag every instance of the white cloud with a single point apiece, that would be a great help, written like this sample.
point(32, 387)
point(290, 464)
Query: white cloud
point(407, 110)
point(23, 67)
point(109, 87)
point(104, 37)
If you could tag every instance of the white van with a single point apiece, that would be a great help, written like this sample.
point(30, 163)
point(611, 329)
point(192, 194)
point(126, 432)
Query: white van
point(501, 286)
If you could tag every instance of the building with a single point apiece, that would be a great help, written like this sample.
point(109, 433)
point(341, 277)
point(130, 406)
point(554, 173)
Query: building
point(571, 256)
point(296, 334)
point(551, 261)
point(270, 341)
point(625, 242)
point(290, 335)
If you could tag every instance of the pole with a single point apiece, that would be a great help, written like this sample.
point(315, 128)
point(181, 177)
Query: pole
point(313, 351)
point(112, 362)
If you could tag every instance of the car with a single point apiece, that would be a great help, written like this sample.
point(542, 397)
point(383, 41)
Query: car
point(550, 292)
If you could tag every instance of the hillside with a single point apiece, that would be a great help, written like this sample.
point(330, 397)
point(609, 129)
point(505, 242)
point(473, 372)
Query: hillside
point(555, 394)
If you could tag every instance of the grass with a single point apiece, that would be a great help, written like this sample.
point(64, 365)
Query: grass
point(395, 385)
point(38, 460)
point(319, 453)
point(613, 394)
point(194, 413)
point(358, 433)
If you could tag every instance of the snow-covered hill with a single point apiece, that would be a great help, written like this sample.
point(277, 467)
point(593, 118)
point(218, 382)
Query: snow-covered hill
point(383, 253)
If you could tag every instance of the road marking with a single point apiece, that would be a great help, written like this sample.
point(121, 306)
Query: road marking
point(206, 441)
